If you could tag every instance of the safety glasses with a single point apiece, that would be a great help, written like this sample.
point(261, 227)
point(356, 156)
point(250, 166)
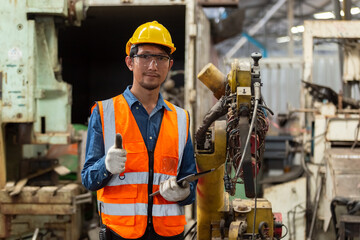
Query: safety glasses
point(147, 59)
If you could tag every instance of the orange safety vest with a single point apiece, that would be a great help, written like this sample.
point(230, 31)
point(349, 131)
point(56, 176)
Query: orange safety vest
point(125, 202)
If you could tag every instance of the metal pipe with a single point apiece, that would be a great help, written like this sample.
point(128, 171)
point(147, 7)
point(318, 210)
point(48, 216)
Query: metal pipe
point(257, 98)
point(290, 17)
point(317, 199)
point(36, 233)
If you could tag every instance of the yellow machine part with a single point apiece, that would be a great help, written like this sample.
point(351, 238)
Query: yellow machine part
point(239, 79)
point(263, 213)
point(213, 79)
point(210, 188)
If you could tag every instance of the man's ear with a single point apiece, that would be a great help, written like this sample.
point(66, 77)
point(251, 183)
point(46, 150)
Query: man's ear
point(171, 63)
point(129, 62)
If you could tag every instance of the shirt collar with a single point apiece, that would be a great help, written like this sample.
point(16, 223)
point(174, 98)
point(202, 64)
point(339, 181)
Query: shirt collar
point(131, 99)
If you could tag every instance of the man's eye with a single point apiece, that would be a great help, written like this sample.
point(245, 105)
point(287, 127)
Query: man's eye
point(147, 57)
point(162, 58)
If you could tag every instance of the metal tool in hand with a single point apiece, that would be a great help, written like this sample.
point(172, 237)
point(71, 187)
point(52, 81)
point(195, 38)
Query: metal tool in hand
point(188, 178)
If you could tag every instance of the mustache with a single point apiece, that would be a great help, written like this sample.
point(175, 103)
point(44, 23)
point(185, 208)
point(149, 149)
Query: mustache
point(152, 74)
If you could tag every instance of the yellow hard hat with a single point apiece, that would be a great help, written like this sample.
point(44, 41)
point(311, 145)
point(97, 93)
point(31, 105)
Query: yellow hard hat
point(151, 32)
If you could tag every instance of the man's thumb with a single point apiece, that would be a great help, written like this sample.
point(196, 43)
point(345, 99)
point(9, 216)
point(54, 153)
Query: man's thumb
point(118, 141)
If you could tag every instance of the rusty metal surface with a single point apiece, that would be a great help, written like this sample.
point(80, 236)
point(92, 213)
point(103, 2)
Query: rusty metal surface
point(344, 160)
point(263, 213)
point(349, 227)
point(343, 165)
point(236, 228)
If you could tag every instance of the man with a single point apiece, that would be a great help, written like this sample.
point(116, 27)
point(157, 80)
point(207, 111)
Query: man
point(157, 148)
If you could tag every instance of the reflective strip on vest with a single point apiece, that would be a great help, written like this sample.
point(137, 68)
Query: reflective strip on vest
point(109, 123)
point(136, 178)
point(182, 133)
point(116, 209)
point(167, 210)
point(140, 209)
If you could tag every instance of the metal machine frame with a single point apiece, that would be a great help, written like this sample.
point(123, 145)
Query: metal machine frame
point(332, 126)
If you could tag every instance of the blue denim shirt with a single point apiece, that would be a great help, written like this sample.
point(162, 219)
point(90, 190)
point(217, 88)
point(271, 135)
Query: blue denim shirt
point(94, 174)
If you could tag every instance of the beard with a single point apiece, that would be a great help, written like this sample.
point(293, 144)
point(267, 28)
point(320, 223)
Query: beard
point(151, 84)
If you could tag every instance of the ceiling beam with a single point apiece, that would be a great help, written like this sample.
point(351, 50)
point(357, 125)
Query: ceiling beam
point(254, 29)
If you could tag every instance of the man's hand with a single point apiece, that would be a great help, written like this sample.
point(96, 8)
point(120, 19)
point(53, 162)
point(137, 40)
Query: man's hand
point(116, 157)
point(171, 191)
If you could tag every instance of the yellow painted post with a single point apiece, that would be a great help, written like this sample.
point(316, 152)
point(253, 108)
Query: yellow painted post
point(210, 188)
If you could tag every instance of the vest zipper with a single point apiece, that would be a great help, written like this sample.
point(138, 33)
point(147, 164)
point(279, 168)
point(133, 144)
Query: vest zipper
point(150, 187)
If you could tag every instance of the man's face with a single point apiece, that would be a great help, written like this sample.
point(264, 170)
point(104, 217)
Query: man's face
point(150, 67)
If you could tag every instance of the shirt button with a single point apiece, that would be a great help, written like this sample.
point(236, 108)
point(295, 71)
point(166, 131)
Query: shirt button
point(105, 174)
point(98, 182)
point(137, 107)
point(150, 138)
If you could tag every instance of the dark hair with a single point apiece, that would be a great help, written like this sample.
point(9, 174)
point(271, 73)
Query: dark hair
point(135, 48)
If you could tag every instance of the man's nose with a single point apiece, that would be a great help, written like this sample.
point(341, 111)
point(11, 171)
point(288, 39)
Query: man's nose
point(153, 64)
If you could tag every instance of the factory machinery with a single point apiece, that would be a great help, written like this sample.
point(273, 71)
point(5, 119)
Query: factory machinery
point(234, 147)
point(35, 106)
point(35, 115)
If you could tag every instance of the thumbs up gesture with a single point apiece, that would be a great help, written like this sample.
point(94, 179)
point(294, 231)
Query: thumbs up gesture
point(116, 157)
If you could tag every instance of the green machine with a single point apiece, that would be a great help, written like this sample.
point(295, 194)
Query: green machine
point(34, 115)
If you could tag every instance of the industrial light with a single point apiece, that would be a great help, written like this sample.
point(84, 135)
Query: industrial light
point(283, 39)
point(355, 10)
point(298, 29)
point(324, 15)
point(331, 15)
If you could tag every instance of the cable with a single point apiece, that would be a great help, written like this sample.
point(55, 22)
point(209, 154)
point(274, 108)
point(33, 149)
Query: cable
point(287, 230)
point(267, 108)
point(293, 219)
point(255, 205)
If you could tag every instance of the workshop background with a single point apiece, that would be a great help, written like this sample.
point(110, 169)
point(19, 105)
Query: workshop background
point(59, 56)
